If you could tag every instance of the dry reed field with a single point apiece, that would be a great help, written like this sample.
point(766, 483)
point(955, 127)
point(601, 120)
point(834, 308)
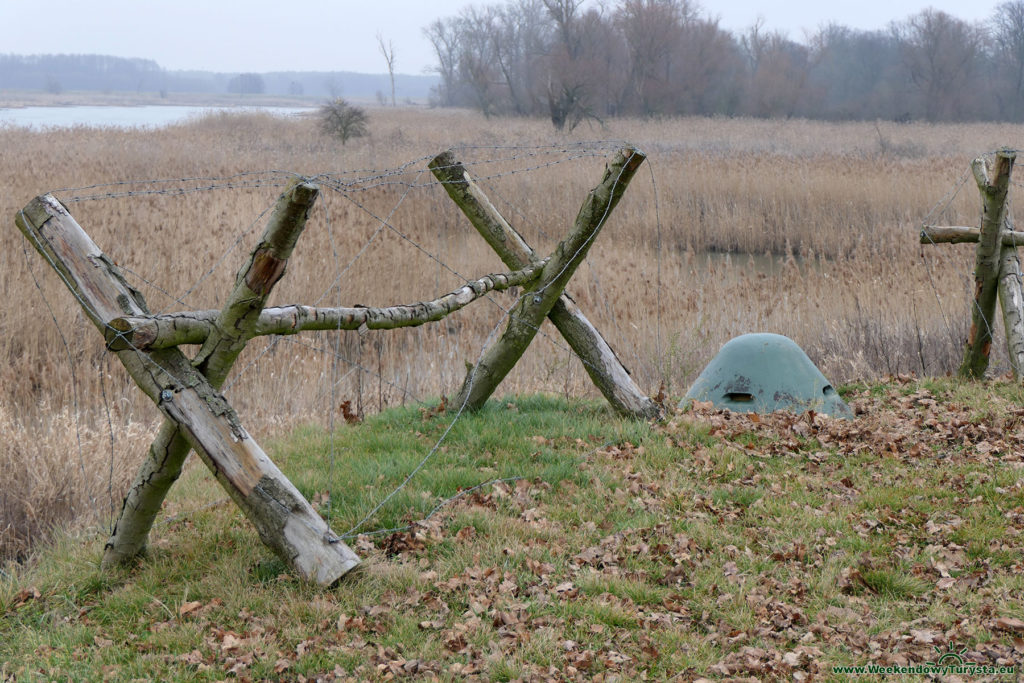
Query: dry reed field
point(801, 228)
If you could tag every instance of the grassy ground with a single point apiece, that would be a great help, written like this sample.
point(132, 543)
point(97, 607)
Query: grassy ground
point(711, 545)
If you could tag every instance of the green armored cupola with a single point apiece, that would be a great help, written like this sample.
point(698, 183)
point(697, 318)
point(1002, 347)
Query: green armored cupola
point(762, 373)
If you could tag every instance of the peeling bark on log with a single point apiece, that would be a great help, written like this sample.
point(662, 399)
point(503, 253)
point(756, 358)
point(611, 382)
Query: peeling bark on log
point(993, 187)
point(193, 327)
point(230, 328)
point(537, 302)
point(600, 361)
point(955, 234)
point(283, 518)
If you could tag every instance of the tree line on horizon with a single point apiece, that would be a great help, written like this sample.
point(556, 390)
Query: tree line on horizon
point(557, 59)
point(59, 73)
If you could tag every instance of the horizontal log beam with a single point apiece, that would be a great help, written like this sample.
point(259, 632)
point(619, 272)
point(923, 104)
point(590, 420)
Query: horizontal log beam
point(193, 327)
point(956, 234)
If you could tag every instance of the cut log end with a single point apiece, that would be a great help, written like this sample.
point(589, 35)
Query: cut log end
point(324, 558)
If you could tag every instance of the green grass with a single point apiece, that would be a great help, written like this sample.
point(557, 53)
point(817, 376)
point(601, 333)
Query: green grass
point(613, 547)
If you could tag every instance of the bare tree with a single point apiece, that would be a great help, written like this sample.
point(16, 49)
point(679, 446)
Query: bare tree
point(652, 30)
point(520, 41)
point(941, 53)
point(1008, 32)
point(477, 63)
point(574, 60)
point(388, 51)
point(472, 71)
point(444, 35)
point(778, 68)
point(709, 75)
point(858, 74)
point(246, 84)
point(574, 63)
point(564, 13)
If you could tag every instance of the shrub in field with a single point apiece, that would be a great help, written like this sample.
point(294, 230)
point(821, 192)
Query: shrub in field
point(340, 119)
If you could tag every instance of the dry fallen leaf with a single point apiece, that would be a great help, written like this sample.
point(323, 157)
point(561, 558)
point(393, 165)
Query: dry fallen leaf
point(304, 647)
point(25, 596)
point(566, 589)
point(924, 637)
point(431, 625)
point(230, 642)
point(189, 607)
point(1009, 624)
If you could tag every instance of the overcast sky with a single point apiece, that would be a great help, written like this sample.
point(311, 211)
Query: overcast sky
point(340, 35)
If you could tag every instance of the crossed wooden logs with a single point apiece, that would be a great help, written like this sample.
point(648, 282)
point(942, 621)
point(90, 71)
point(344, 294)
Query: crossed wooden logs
point(187, 392)
point(997, 272)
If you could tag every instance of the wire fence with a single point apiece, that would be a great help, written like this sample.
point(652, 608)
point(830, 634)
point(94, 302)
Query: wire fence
point(378, 201)
point(361, 191)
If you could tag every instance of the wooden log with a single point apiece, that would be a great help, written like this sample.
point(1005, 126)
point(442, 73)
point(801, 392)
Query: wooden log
point(1011, 300)
point(193, 327)
point(230, 329)
point(510, 246)
point(540, 298)
point(993, 186)
point(237, 322)
point(599, 360)
point(284, 519)
point(956, 234)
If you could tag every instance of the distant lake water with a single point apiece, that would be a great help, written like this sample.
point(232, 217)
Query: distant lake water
point(147, 116)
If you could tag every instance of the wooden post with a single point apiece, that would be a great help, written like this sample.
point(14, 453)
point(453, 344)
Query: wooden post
point(540, 298)
point(993, 186)
point(236, 324)
point(231, 329)
point(604, 367)
point(283, 518)
point(1011, 299)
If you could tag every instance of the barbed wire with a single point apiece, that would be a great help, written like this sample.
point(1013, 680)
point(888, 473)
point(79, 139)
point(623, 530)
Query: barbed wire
point(334, 360)
point(944, 202)
point(212, 183)
point(71, 366)
point(349, 185)
point(470, 381)
point(558, 343)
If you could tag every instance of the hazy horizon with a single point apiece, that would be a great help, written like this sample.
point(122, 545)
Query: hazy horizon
point(265, 37)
